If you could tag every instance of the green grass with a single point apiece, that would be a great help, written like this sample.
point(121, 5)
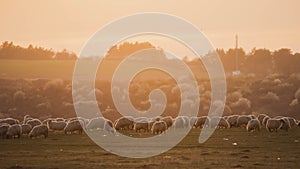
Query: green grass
point(253, 150)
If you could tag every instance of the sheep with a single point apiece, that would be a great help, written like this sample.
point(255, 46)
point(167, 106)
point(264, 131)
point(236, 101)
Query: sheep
point(264, 123)
point(286, 125)
point(3, 129)
point(26, 118)
point(39, 130)
point(243, 120)
point(9, 121)
point(95, 123)
point(292, 121)
point(219, 122)
point(274, 124)
point(232, 120)
point(108, 126)
point(159, 127)
point(150, 123)
point(73, 126)
point(140, 125)
point(34, 122)
point(56, 125)
point(261, 117)
point(45, 122)
point(14, 130)
point(253, 125)
point(193, 121)
point(201, 121)
point(168, 120)
point(26, 128)
point(179, 122)
point(124, 123)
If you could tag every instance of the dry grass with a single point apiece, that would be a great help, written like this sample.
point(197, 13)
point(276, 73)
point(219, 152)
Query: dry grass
point(253, 150)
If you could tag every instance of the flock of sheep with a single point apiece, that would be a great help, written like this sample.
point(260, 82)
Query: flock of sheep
point(33, 127)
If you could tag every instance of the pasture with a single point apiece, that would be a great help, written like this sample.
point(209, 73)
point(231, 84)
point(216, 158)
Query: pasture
point(227, 148)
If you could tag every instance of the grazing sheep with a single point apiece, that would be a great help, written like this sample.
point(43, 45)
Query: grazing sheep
point(34, 122)
point(252, 116)
point(26, 118)
point(219, 122)
point(243, 120)
point(73, 126)
point(56, 125)
point(39, 130)
point(232, 120)
point(95, 123)
point(193, 121)
point(26, 128)
point(3, 130)
point(108, 126)
point(168, 120)
point(14, 130)
point(9, 121)
point(159, 127)
point(150, 123)
point(292, 121)
point(140, 125)
point(124, 123)
point(201, 121)
point(274, 124)
point(261, 117)
point(45, 122)
point(286, 125)
point(253, 125)
point(179, 122)
point(264, 123)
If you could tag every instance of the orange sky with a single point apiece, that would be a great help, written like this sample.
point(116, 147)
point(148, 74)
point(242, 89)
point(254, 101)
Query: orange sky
point(68, 24)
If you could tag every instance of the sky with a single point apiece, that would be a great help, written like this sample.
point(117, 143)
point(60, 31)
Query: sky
point(59, 24)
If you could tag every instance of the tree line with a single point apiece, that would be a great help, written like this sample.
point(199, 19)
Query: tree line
point(8, 50)
point(260, 62)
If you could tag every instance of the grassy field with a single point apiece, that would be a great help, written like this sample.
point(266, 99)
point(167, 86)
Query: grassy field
point(231, 148)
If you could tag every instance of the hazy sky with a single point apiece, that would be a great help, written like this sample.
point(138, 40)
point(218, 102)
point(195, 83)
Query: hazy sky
point(68, 24)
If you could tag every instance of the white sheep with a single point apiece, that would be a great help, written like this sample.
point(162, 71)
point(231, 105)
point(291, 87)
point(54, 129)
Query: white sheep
point(243, 120)
point(73, 126)
point(274, 124)
point(293, 122)
point(179, 122)
point(219, 122)
point(140, 125)
point(39, 130)
point(253, 125)
point(201, 121)
point(26, 128)
point(56, 125)
point(168, 120)
point(232, 120)
point(124, 123)
point(14, 130)
point(261, 117)
point(3, 129)
point(34, 122)
point(108, 126)
point(264, 123)
point(159, 127)
point(26, 118)
point(193, 121)
point(95, 123)
point(286, 125)
point(10, 121)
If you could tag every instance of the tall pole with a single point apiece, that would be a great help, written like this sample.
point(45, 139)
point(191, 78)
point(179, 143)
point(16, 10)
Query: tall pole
point(236, 52)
